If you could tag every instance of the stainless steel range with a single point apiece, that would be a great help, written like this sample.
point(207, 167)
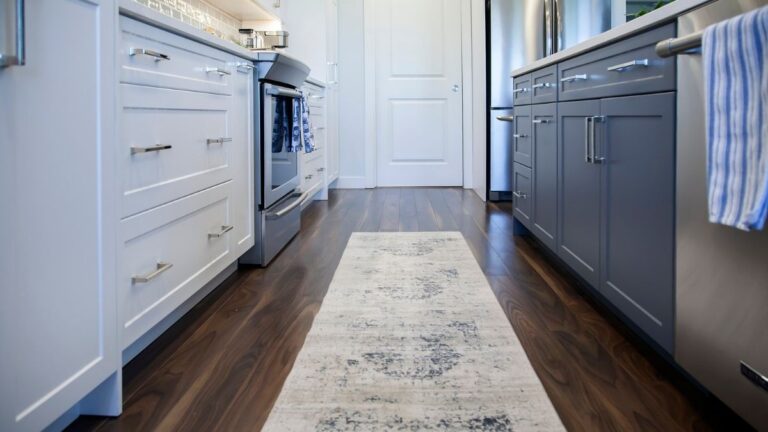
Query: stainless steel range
point(278, 198)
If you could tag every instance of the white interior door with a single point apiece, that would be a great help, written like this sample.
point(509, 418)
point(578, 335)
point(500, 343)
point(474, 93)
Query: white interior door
point(418, 93)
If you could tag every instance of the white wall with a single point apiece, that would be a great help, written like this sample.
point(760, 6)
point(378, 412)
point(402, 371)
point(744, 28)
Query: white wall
point(305, 22)
point(351, 94)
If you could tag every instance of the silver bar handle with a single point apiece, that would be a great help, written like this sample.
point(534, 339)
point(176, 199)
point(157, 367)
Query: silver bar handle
point(595, 158)
point(224, 229)
point(317, 97)
point(210, 141)
point(149, 53)
point(279, 91)
point(290, 208)
point(521, 195)
point(542, 121)
point(520, 90)
point(162, 267)
point(219, 71)
point(628, 65)
point(244, 66)
point(519, 136)
point(318, 128)
point(681, 45)
point(155, 148)
point(587, 144)
point(321, 169)
point(505, 118)
point(542, 85)
point(20, 57)
point(572, 78)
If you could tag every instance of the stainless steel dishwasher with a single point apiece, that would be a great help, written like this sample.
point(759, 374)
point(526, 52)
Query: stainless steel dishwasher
point(722, 273)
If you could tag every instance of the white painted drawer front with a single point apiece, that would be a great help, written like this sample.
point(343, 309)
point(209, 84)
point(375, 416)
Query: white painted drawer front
point(190, 123)
point(154, 57)
point(176, 234)
point(312, 171)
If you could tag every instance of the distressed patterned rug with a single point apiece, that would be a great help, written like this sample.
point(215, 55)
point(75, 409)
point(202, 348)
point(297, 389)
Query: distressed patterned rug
point(410, 337)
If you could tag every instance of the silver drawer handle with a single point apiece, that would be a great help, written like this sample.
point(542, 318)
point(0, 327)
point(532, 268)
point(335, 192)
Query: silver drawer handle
point(219, 71)
point(521, 195)
point(300, 199)
point(224, 229)
point(628, 65)
point(505, 118)
point(542, 85)
point(149, 53)
point(519, 136)
point(318, 128)
point(308, 177)
point(161, 268)
point(157, 148)
point(210, 141)
point(542, 121)
point(572, 78)
point(320, 170)
point(317, 97)
point(247, 66)
point(520, 90)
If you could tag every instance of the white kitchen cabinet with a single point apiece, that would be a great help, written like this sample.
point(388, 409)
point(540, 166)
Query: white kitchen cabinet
point(332, 92)
point(58, 312)
point(242, 131)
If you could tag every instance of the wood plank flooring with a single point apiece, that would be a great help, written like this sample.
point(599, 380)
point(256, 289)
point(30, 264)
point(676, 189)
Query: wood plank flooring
point(222, 366)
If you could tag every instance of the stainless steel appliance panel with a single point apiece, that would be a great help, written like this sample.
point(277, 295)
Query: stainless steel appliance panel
point(578, 20)
point(280, 167)
point(516, 39)
point(722, 277)
point(502, 129)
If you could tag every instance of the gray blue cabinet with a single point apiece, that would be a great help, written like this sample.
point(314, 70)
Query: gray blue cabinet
point(579, 190)
point(544, 139)
point(522, 191)
point(521, 138)
point(637, 145)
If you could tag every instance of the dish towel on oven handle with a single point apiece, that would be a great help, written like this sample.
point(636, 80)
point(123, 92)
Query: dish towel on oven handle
point(302, 128)
point(735, 60)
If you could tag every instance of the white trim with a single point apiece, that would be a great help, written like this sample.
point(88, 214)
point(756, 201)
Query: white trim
point(351, 182)
point(473, 76)
point(369, 23)
point(478, 167)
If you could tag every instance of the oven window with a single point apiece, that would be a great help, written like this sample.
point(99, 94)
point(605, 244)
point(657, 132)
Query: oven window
point(284, 163)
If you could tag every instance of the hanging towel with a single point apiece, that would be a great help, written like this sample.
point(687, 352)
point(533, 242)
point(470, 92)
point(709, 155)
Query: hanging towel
point(302, 128)
point(735, 54)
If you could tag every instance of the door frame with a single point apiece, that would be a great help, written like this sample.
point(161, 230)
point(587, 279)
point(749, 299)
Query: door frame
point(473, 102)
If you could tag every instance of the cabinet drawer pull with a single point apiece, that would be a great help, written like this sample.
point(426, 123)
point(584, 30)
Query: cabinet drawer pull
point(316, 97)
point(149, 53)
point(161, 268)
point(210, 141)
point(542, 85)
point(320, 169)
point(224, 229)
point(519, 136)
point(505, 118)
point(520, 90)
point(587, 141)
point(308, 177)
point(542, 121)
point(521, 195)
point(219, 71)
point(244, 67)
point(596, 159)
point(572, 78)
point(156, 148)
point(628, 65)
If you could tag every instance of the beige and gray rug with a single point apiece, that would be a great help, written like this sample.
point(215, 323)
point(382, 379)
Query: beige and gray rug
point(410, 337)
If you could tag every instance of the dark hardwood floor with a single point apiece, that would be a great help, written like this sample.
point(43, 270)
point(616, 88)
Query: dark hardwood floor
point(222, 366)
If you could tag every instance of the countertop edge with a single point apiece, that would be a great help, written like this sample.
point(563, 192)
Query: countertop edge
point(144, 14)
point(658, 17)
point(316, 81)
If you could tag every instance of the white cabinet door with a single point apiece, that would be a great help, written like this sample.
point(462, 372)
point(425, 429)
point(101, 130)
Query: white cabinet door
point(241, 128)
point(332, 91)
point(58, 333)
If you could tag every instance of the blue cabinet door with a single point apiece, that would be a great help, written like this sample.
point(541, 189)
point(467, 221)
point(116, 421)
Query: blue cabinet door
point(545, 173)
point(521, 138)
point(637, 251)
point(579, 191)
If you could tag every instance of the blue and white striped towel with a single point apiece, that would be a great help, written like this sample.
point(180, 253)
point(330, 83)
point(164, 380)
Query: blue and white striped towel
point(302, 136)
point(736, 72)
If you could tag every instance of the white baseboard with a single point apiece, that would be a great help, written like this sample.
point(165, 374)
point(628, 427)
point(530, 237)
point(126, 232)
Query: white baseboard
point(349, 182)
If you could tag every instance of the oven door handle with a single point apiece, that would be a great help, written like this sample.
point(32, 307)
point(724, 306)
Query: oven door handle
point(280, 91)
point(284, 211)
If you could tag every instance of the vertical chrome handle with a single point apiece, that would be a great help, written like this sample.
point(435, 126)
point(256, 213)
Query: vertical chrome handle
point(595, 158)
point(20, 57)
point(587, 143)
point(549, 27)
point(161, 268)
point(224, 229)
point(149, 53)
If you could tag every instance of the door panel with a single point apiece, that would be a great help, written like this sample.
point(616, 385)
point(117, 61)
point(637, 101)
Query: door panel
point(523, 194)
point(58, 328)
point(419, 102)
point(544, 119)
point(638, 216)
point(579, 202)
point(521, 139)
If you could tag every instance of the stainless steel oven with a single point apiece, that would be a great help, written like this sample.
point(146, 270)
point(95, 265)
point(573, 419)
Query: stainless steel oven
point(278, 196)
point(280, 167)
